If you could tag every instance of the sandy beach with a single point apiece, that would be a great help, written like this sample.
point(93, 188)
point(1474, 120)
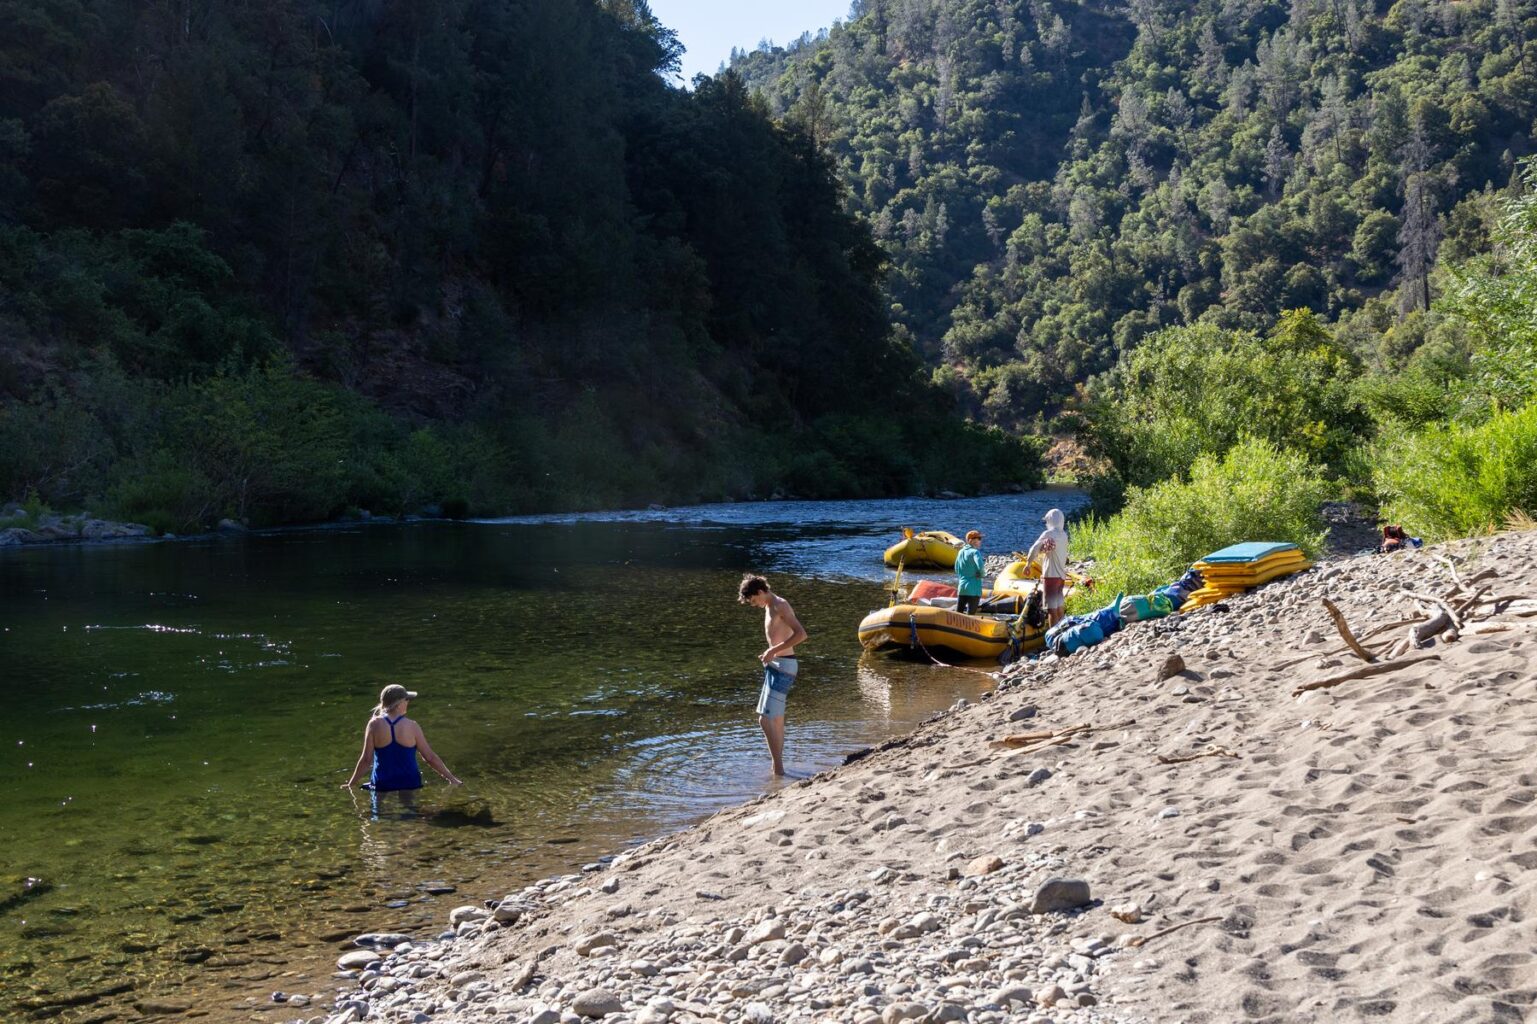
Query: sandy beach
point(1362, 851)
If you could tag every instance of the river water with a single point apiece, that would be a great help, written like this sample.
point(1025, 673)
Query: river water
point(179, 718)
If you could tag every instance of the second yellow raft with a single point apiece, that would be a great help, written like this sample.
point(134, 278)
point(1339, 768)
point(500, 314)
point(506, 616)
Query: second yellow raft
point(930, 549)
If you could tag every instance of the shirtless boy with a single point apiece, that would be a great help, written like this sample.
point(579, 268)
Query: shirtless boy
point(783, 631)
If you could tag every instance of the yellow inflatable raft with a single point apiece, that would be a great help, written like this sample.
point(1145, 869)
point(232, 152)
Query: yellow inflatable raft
point(931, 549)
point(940, 629)
point(1017, 577)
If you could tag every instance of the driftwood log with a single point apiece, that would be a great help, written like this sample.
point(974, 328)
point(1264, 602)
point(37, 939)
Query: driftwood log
point(1137, 941)
point(1345, 633)
point(1362, 672)
point(1440, 603)
point(1424, 632)
point(1387, 627)
point(1487, 574)
point(1030, 742)
point(1184, 758)
point(1456, 579)
point(1375, 631)
point(1463, 607)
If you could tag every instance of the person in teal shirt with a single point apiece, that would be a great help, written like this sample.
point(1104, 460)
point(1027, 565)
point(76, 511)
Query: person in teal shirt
point(968, 567)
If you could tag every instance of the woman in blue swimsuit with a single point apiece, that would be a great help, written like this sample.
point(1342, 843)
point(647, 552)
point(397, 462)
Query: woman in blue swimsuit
point(390, 742)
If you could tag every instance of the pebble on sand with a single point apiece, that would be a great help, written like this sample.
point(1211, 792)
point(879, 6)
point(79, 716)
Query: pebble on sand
point(984, 865)
point(1011, 994)
point(585, 944)
point(597, 1002)
point(1129, 913)
point(766, 931)
point(903, 1011)
point(1057, 894)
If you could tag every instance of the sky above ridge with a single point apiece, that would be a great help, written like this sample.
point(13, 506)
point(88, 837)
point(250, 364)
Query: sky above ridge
point(710, 28)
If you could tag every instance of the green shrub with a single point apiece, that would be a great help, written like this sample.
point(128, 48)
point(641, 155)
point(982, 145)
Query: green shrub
point(163, 492)
point(1453, 481)
point(1191, 391)
point(33, 509)
point(1256, 491)
point(271, 443)
point(970, 457)
point(873, 455)
point(819, 475)
point(1420, 393)
point(161, 302)
point(54, 447)
point(1494, 296)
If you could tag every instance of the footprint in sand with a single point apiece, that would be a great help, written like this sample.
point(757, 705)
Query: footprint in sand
point(1318, 869)
point(1385, 864)
point(1514, 802)
point(1508, 824)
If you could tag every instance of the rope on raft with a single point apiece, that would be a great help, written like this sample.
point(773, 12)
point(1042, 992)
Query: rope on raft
point(912, 630)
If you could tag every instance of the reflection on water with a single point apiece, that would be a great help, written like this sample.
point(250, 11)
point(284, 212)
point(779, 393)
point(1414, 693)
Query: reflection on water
point(180, 717)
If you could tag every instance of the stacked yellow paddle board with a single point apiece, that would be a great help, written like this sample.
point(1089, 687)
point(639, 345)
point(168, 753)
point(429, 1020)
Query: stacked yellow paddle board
point(1239, 567)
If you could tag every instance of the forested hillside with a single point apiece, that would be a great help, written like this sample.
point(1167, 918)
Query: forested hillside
point(275, 260)
point(1055, 179)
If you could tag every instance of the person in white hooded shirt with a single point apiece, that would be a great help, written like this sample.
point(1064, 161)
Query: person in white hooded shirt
point(1051, 549)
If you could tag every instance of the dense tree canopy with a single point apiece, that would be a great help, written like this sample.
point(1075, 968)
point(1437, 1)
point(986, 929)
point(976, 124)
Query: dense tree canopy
point(1054, 180)
point(484, 228)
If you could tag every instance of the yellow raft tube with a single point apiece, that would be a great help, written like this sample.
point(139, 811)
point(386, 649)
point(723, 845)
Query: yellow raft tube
point(940, 629)
point(1018, 577)
point(934, 549)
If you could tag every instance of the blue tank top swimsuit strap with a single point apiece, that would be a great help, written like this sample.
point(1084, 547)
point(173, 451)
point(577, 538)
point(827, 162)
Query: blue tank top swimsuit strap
point(395, 765)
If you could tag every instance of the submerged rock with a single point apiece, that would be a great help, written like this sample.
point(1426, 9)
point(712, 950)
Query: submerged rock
point(388, 940)
point(357, 959)
point(20, 890)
